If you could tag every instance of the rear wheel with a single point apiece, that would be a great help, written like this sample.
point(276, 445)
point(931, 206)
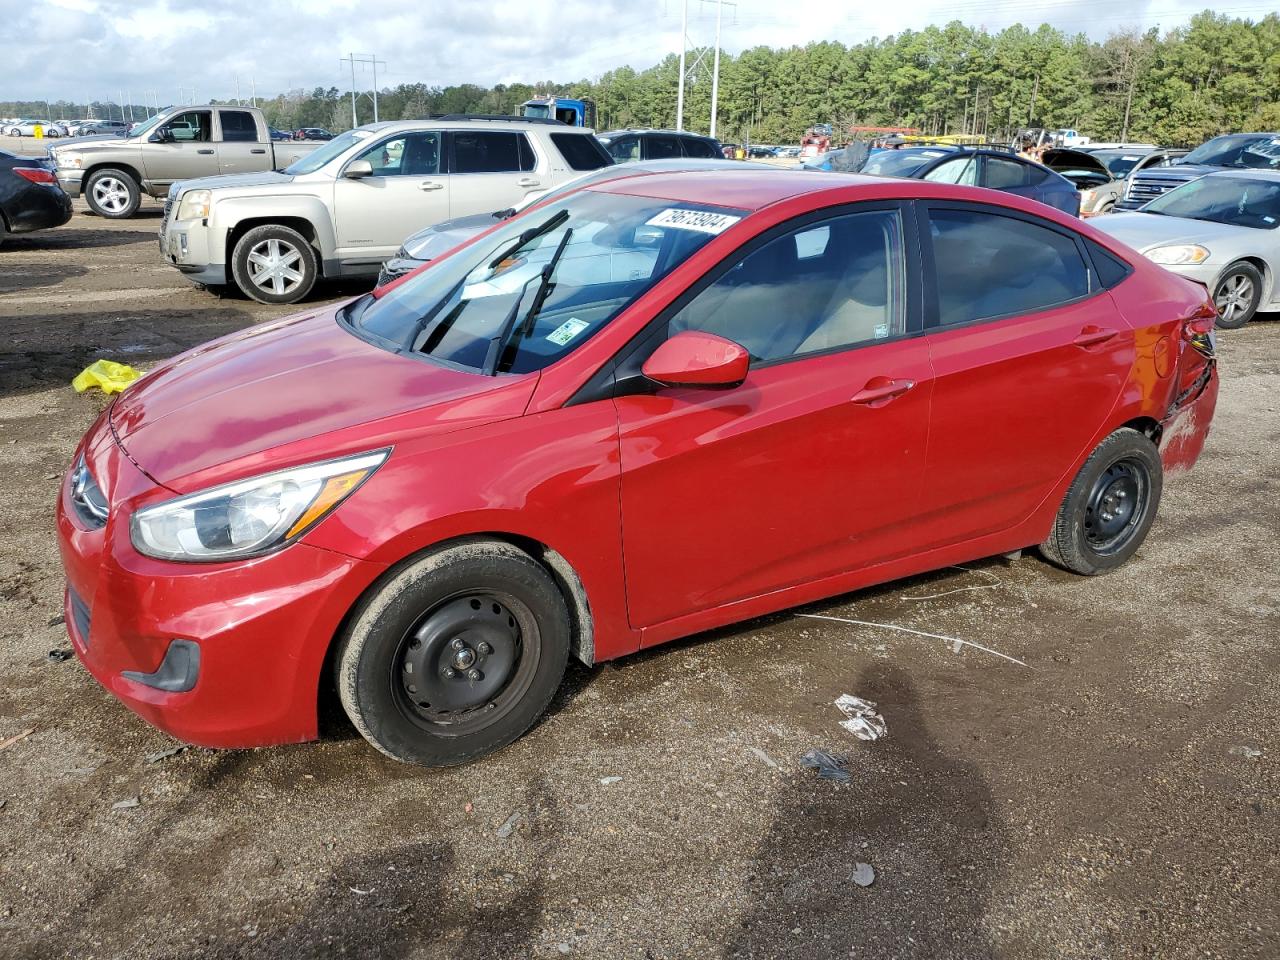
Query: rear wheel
point(1237, 295)
point(113, 194)
point(455, 656)
point(274, 264)
point(1109, 507)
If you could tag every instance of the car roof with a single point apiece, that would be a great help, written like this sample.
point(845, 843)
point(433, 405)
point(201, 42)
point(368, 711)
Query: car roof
point(515, 123)
point(670, 133)
point(747, 189)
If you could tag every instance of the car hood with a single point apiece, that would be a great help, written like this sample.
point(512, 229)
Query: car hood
point(291, 391)
point(1066, 159)
point(86, 143)
point(430, 243)
point(1179, 171)
point(1145, 230)
point(232, 181)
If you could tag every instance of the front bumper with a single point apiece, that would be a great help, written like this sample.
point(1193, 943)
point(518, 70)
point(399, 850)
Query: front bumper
point(184, 244)
point(70, 180)
point(1206, 273)
point(397, 267)
point(219, 655)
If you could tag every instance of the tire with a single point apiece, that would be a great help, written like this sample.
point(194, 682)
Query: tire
point(476, 606)
point(274, 264)
point(3, 231)
point(1109, 507)
point(112, 193)
point(1237, 295)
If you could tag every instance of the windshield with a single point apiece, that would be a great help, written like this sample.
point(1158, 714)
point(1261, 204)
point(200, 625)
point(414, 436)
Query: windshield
point(1237, 201)
point(541, 285)
point(144, 128)
point(537, 110)
point(1258, 153)
point(900, 163)
point(338, 145)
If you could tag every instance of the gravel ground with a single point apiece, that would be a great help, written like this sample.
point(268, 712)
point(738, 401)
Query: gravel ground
point(1115, 797)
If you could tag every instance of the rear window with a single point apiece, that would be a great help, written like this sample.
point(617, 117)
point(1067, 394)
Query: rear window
point(581, 151)
point(491, 152)
point(695, 147)
point(660, 147)
point(1109, 268)
point(238, 126)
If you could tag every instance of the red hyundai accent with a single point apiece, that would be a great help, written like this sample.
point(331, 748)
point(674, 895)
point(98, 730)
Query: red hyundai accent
point(656, 406)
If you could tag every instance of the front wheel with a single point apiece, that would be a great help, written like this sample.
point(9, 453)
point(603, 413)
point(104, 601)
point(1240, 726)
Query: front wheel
point(113, 194)
point(1237, 295)
point(1109, 507)
point(456, 655)
point(274, 264)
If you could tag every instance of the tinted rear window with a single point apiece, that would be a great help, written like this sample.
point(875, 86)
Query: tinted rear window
point(491, 152)
point(581, 151)
point(238, 126)
point(1109, 268)
point(694, 147)
point(660, 148)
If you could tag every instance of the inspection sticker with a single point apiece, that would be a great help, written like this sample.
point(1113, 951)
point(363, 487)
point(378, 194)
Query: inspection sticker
point(567, 331)
point(699, 220)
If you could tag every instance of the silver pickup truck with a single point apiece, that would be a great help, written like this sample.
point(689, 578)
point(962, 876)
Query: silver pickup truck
point(181, 143)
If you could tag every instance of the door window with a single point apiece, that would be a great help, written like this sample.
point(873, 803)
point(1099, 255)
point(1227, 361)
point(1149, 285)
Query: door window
point(624, 149)
point(192, 126)
point(988, 265)
point(1001, 174)
point(960, 170)
point(238, 126)
point(659, 148)
point(822, 286)
point(491, 152)
point(581, 151)
point(411, 155)
point(693, 147)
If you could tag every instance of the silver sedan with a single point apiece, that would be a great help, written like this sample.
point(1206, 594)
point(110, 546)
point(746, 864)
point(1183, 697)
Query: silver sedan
point(1220, 229)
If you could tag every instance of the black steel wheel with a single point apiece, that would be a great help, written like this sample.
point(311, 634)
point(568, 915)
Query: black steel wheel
point(1109, 507)
point(456, 654)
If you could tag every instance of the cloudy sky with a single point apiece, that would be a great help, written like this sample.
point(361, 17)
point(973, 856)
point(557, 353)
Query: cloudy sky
point(168, 49)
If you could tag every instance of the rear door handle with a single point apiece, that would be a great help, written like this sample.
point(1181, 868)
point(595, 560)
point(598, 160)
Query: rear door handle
point(204, 151)
point(880, 390)
point(430, 185)
point(257, 150)
point(1091, 336)
point(528, 182)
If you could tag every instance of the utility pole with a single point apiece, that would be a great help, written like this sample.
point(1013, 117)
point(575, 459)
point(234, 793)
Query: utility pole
point(684, 42)
point(238, 103)
point(372, 60)
point(715, 71)
point(253, 89)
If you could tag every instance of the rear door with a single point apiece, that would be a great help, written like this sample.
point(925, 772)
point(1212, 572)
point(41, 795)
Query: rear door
point(812, 466)
point(490, 170)
point(239, 147)
point(1030, 355)
point(407, 192)
point(1007, 174)
point(659, 146)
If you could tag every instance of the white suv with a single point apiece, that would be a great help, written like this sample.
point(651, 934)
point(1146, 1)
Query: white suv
point(342, 210)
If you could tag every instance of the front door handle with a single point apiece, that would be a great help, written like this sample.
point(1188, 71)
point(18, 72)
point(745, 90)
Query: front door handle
point(204, 151)
point(880, 390)
point(430, 185)
point(528, 182)
point(257, 150)
point(1091, 336)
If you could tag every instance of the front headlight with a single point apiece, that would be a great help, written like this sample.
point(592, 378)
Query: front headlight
point(194, 205)
point(250, 517)
point(68, 162)
point(1178, 253)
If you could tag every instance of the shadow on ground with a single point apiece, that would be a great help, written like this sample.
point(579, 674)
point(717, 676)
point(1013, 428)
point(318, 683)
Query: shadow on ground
point(29, 276)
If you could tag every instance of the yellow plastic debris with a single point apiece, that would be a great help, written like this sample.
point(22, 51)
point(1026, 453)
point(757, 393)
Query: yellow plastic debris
point(107, 375)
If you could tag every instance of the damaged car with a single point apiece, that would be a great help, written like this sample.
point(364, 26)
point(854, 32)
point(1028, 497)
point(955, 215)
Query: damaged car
point(652, 407)
point(1100, 175)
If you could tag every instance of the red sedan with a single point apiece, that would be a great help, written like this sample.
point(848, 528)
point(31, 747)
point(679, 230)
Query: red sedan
point(656, 406)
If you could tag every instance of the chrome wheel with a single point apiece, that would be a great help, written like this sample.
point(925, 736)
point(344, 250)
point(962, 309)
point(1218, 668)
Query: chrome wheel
point(1234, 297)
point(274, 266)
point(111, 194)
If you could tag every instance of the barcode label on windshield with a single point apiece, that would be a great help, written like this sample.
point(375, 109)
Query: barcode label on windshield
point(699, 220)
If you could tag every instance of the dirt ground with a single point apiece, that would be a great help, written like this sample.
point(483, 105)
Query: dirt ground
point(1117, 796)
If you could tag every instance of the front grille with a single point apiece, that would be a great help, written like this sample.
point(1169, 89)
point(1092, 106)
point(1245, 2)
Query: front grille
point(1145, 189)
point(79, 617)
point(168, 207)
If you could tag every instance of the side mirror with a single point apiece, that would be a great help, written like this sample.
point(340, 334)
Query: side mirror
point(163, 135)
point(358, 170)
point(697, 359)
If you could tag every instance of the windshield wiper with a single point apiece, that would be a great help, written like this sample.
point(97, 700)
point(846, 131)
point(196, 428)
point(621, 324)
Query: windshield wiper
point(533, 233)
point(498, 345)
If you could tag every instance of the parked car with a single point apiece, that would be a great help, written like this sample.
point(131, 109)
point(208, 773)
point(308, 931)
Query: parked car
point(428, 244)
point(30, 198)
point(346, 208)
point(626, 146)
point(312, 133)
point(994, 169)
point(1234, 151)
point(176, 144)
point(1100, 175)
point(433, 495)
point(278, 135)
point(27, 128)
point(1219, 229)
point(89, 128)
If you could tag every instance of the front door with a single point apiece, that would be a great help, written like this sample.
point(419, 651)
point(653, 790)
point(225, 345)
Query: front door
point(812, 466)
point(1030, 355)
point(406, 193)
point(190, 153)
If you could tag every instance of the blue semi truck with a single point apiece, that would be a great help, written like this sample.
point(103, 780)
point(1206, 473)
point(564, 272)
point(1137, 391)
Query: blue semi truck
point(569, 111)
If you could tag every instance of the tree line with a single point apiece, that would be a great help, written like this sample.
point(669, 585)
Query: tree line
point(1215, 74)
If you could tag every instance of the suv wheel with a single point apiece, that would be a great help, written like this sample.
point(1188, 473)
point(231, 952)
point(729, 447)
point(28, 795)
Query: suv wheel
point(456, 655)
point(1237, 295)
point(274, 264)
point(113, 194)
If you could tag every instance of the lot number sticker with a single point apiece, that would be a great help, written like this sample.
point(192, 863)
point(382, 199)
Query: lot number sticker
point(700, 220)
point(567, 331)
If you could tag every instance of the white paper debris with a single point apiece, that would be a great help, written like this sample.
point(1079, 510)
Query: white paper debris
point(864, 723)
